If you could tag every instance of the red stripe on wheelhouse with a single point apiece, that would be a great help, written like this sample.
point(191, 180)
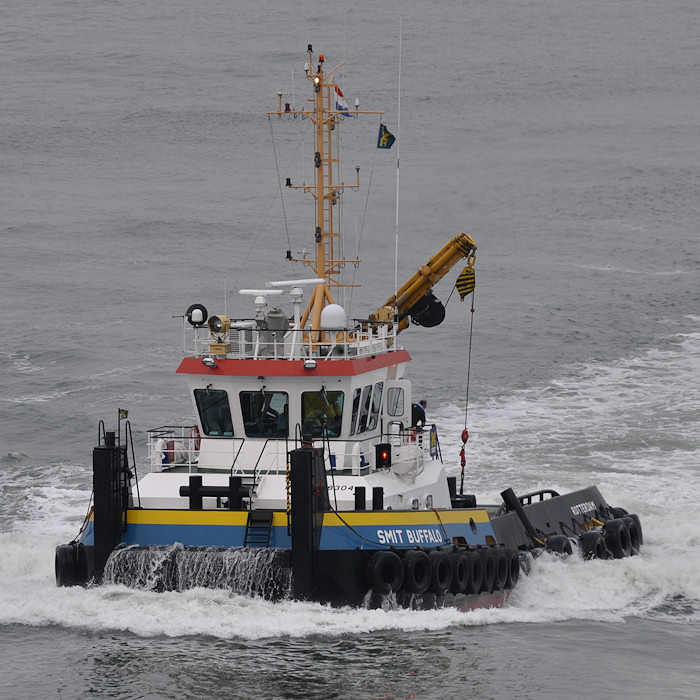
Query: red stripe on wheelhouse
point(293, 368)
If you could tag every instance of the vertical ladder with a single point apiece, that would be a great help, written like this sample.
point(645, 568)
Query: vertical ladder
point(258, 528)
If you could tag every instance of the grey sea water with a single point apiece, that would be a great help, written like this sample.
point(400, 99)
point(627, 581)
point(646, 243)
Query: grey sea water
point(139, 174)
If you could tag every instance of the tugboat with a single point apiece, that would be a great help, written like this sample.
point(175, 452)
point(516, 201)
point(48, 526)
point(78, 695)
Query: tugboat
point(303, 475)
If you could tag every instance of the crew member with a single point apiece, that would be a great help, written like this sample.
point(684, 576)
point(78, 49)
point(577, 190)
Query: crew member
point(418, 418)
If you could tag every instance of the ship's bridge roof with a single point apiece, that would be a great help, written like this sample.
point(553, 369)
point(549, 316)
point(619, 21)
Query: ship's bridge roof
point(323, 367)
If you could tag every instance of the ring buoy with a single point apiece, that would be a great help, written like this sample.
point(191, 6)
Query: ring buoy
point(513, 568)
point(476, 572)
point(617, 538)
point(460, 572)
point(592, 545)
point(441, 571)
point(385, 572)
point(501, 566)
point(417, 571)
point(489, 569)
point(196, 437)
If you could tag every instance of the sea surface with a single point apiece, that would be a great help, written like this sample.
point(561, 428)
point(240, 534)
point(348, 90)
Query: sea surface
point(140, 174)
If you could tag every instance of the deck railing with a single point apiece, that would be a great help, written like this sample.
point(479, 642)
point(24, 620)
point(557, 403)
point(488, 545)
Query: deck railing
point(246, 341)
point(176, 447)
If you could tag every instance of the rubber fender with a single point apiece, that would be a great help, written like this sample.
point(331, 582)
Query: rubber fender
point(417, 571)
point(489, 569)
point(442, 571)
point(635, 539)
point(501, 565)
point(460, 572)
point(385, 572)
point(513, 567)
point(618, 512)
point(592, 545)
point(559, 544)
point(617, 538)
point(476, 572)
point(66, 565)
point(636, 519)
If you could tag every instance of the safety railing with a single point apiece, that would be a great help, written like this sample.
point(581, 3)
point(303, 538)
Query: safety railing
point(173, 446)
point(244, 340)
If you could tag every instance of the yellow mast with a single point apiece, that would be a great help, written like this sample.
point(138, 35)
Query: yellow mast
point(326, 114)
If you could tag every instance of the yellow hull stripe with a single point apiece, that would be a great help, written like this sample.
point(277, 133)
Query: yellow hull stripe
point(385, 518)
point(188, 517)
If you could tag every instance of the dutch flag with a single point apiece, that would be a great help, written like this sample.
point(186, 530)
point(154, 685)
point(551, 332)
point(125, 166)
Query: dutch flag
point(340, 104)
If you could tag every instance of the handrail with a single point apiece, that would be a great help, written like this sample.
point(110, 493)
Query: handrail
point(129, 438)
point(367, 338)
point(235, 459)
point(527, 497)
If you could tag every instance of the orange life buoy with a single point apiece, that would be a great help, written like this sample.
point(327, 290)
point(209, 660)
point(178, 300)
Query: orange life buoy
point(196, 437)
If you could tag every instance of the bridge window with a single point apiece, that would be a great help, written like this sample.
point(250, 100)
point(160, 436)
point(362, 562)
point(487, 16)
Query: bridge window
point(355, 409)
point(214, 412)
point(376, 405)
point(364, 408)
point(394, 401)
point(322, 413)
point(265, 413)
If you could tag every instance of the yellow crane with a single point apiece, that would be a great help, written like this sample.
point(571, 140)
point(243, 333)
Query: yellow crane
point(415, 298)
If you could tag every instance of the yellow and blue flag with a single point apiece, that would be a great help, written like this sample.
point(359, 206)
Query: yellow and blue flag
point(123, 413)
point(386, 138)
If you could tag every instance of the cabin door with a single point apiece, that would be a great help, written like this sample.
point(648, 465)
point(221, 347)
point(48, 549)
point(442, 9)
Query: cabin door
point(396, 414)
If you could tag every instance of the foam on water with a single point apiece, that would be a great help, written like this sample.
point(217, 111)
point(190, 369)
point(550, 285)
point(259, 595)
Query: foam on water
point(661, 583)
point(628, 424)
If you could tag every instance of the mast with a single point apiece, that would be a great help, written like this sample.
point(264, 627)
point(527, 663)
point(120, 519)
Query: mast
point(328, 109)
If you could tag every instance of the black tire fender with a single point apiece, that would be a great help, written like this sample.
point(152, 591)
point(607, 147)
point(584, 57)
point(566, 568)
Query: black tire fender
point(66, 565)
point(617, 538)
point(559, 544)
point(636, 519)
point(501, 565)
point(442, 571)
point(460, 572)
point(476, 572)
point(513, 568)
point(592, 545)
point(417, 571)
point(385, 572)
point(635, 537)
point(489, 568)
